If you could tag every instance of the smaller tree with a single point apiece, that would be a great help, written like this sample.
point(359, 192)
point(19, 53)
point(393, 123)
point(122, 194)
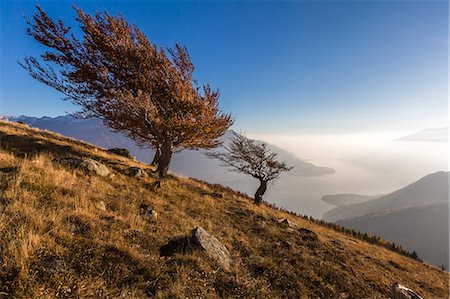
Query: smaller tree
point(251, 157)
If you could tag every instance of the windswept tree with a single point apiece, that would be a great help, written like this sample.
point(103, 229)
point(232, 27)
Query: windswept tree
point(251, 157)
point(116, 73)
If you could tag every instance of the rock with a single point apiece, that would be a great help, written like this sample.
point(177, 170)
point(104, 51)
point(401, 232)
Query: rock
point(212, 246)
point(284, 244)
point(120, 151)
point(146, 211)
point(401, 292)
point(86, 164)
point(101, 205)
point(155, 186)
point(287, 223)
point(216, 195)
point(154, 214)
point(137, 172)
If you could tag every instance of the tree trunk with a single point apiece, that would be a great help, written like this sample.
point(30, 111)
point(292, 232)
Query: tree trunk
point(260, 192)
point(164, 159)
point(157, 157)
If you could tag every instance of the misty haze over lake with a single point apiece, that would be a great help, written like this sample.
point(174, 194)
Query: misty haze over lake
point(364, 163)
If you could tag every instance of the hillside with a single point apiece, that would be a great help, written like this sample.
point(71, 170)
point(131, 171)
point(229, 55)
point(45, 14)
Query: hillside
point(415, 217)
point(67, 233)
point(424, 229)
point(195, 164)
point(432, 188)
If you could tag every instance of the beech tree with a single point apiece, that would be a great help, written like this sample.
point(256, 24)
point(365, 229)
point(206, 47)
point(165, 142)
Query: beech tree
point(116, 73)
point(251, 157)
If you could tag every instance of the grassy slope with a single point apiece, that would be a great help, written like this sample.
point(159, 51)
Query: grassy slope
point(54, 241)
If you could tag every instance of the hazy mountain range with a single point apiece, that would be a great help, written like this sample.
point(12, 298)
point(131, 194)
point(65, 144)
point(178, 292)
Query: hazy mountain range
point(416, 217)
point(347, 199)
point(434, 134)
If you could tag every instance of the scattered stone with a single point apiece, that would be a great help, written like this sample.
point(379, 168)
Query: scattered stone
point(199, 239)
point(401, 292)
point(344, 295)
point(154, 214)
point(146, 211)
point(101, 205)
point(284, 244)
point(151, 173)
point(137, 172)
point(212, 246)
point(216, 195)
point(287, 223)
point(120, 151)
point(86, 164)
point(155, 186)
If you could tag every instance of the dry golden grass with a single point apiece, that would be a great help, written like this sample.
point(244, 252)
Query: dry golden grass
point(56, 242)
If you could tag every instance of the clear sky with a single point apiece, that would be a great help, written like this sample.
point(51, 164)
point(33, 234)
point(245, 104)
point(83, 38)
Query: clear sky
point(282, 67)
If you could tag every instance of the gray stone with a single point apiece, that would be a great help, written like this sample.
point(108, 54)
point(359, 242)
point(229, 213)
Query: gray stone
point(101, 205)
point(216, 195)
point(86, 164)
point(137, 172)
point(401, 292)
point(121, 152)
point(148, 212)
point(284, 243)
point(156, 185)
point(212, 246)
point(287, 223)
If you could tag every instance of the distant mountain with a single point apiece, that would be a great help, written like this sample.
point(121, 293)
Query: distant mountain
point(408, 158)
point(195, 163)
point(424, 229)
point(432, 188)
point(347, 199)
point(435, 134)
point(416, 217)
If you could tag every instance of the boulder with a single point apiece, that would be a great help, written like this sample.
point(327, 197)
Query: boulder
point(155, 186)
point(284, 244)
point(199, 239)
point(101, 205)
point(401, 292)
point(146, 211)
point(137, 172)
point(287, 223)
point(217, 195)
point(120, 151)
point(87, 164)
point(212, 246)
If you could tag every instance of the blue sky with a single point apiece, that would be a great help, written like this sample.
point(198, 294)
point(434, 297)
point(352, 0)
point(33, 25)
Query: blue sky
point(282, 67)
